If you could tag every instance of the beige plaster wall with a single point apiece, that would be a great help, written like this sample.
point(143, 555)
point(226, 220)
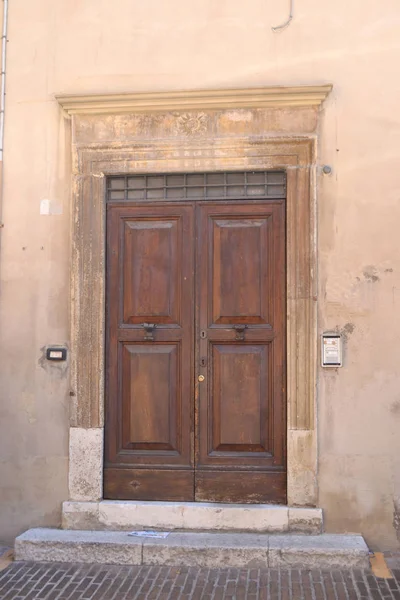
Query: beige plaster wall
point(94, 46)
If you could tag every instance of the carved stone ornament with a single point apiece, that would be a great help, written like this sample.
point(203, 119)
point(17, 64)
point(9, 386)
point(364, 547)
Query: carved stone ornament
point(192, 124)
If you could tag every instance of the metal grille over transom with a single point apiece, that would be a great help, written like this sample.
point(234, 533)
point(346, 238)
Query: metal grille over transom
point(197, 186)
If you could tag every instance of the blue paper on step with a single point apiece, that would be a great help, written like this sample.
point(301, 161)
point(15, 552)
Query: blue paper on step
point(150, 534)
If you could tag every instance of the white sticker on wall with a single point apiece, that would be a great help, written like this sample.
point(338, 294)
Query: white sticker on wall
point(50, 207)
point(45, 207)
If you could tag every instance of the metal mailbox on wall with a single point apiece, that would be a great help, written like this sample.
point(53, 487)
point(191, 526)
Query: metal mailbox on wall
point(331, 350)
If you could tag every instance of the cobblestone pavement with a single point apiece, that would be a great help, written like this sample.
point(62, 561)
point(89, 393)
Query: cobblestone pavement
point(33, 581)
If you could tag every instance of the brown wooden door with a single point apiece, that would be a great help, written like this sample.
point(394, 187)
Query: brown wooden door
point(170, 436)
point(241, 323)
point(150, 358)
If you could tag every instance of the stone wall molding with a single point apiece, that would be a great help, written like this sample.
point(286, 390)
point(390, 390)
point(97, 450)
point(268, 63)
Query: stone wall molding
point(266, 97)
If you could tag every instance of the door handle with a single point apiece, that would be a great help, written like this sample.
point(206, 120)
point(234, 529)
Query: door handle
point(149, 328)
point(239, 332)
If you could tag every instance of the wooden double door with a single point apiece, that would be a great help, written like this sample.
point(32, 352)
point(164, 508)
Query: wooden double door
point(195, 386)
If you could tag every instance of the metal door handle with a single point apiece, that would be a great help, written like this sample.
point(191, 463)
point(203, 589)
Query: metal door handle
point(149, 328)
point(239, 332)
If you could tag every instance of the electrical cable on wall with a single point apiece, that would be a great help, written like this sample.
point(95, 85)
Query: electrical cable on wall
point(3, 98)
point(287, 22)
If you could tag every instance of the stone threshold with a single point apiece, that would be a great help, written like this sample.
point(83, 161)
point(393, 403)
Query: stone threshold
point(196, 516)
point(215, 550)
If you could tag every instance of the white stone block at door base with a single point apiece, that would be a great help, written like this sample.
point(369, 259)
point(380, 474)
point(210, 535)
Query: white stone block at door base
point(200, 516)
point(85, 463)
point(323, 551)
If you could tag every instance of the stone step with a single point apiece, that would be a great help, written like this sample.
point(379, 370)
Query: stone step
point(325, 551)
point(199, 516)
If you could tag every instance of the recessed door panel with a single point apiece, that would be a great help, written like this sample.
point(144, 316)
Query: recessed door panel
point(239, 397)
point(239, 270)
point(151, 267)
point(150, 397)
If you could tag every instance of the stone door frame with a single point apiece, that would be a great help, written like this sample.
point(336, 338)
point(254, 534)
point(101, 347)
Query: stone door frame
point(126, 134)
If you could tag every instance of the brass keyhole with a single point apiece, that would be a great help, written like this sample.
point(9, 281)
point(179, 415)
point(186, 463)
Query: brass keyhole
point(201, 378)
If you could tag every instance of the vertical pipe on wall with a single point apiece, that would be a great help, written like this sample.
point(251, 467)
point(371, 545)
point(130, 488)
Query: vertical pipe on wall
point(3, 96)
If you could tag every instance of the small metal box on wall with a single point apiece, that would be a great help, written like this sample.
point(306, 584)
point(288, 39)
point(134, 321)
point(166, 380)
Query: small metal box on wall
point(331, 350)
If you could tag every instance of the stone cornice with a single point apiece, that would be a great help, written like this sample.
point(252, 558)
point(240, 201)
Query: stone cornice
point(274, 97)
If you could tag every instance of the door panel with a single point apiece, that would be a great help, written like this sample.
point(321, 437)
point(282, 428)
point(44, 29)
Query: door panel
point(149, 484)
point(241, 291)
point(239, 270)
point(242, 487)
point(150, 397)
point(151, 268)
point(239, 401)
point(149, 400)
